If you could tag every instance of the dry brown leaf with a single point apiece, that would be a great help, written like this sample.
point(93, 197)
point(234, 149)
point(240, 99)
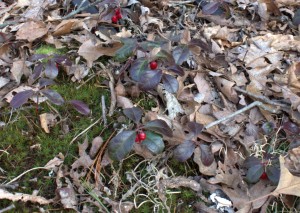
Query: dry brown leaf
point(226, 88)
point(294, 75)
point(92, 52)
point(66, 26)
point(206, 170)
point(18, 70)
point(292, 161)
point(124, 102)
point(3, 81)
point(96, 144)
point(47, 120)
point(288, 183)
point(27, 29)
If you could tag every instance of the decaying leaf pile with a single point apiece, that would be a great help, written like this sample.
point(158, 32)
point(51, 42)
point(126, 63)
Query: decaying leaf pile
point(228, 73)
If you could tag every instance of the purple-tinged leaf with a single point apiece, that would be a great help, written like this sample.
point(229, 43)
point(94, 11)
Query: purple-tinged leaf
point(43, 82)
point(138, 69)
point(254, 173)
point(21, 98)
point(273, 173)
point(170, 83)
point(207, 156)
point(291, 127)
point(150, 79)
point(37, 57)
point(251, 161)
point(296, 18)
point(268, 127)
point(121, 145)
point(210, 8)
point(176, 69)
point(51, 70)
point(81, 107)
point(63, 60)
point(165, 56)
point(134, 114)
point(53, 96)
point(184, 151)
point(195, 128)
point(159, 126)
point(181, 54)
point(37, 71)
point(154, 142)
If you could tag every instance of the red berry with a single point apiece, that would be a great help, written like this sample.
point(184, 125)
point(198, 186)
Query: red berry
point(137, 139)
point(264, 176)
point(114, 19)
point(119, 16)
point(117, 11)
point(142, 136)
point(153, 65)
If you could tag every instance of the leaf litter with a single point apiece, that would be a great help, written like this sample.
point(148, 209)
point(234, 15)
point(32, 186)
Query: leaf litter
point(226, 88)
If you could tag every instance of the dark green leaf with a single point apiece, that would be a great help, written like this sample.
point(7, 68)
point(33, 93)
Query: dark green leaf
point(176, 69)
point(21, 98)
point(273, 173)
point(159, 126)
point(150, 79)
point(154, 142)
point(126, 50)
point(53, 96)
point(254, 173)
point(147, 45)
point(251, 161)
point(184, 151)
point(268, 127)
point(134, 114)
point(181, 54)
point(296, 18)
point(121, 145)
point(170, 83)
point(207, 156)
point(138, 68)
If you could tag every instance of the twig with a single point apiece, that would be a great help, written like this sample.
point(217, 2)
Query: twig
point(12, 206)
point(254, 104)
point(84, 131)
point(16, 178)
point(259, 97)
point(79, 9)
point(103, 110)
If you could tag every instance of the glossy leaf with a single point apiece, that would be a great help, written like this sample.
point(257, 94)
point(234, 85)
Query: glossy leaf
point(37, 57)
point(134, 114)
point(251, 161)
point(45, 82)
point(207, 156)
point(195, 128)
point(254, 173)
point(53, 96)
point(147, 45)
point(210, 8)
point(291, 127)
point(154, 142)
point(121, 145)
point(181, 54)
point(176, 69)
point(37, 70)
point(138, 69)
point(150, 79)
point(51, 70)
point(159, 126)
point(273, 173)
point(81, 107)
point(126, 50)
point(184, 151)
point(63, 60)
point(268, 127)
point(21, 98)
point(170, 83)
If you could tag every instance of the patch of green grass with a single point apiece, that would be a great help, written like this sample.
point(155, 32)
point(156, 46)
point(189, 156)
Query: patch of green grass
point(49, 50)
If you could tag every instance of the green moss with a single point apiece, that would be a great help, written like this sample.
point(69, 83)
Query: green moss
point(49, 50)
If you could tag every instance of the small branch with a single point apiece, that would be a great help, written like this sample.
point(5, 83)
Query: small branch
point(254, 104)
point(103, 110)
point(261, 98)
point(12, 206)
point(79, 9)
point(16, 178)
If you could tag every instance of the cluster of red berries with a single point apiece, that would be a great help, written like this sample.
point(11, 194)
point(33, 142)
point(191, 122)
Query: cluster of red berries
point(117, 16)
point(140, 136)
point(153, 65)
point(264, 176)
